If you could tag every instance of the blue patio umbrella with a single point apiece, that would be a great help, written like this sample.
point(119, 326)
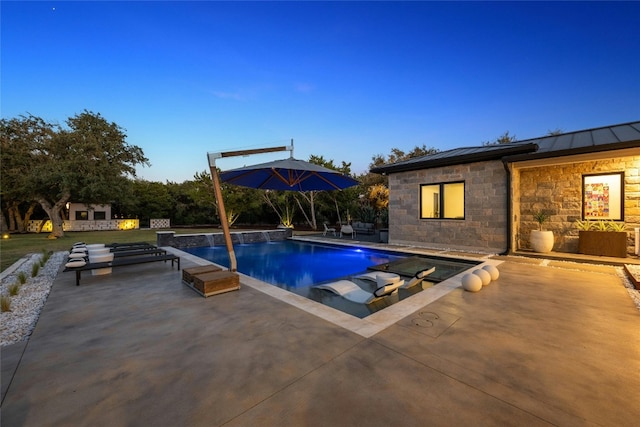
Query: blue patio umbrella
point(288, 174)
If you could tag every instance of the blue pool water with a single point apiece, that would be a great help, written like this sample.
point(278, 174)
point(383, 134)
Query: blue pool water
point(294, 265)
point(297, 266)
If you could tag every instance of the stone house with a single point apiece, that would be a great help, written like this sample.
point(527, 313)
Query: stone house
point(483, 199)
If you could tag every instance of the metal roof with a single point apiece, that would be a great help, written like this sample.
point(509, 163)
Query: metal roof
point(625, 135)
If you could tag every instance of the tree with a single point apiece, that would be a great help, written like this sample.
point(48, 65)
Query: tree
point(374, 188)
point(505, 138)
point(20, 140)
point(88, 162)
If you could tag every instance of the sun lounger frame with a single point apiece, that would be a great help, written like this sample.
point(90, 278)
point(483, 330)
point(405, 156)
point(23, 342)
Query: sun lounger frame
point(119, 262)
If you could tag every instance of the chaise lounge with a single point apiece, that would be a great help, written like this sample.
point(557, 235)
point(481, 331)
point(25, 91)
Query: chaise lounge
point(79, 265)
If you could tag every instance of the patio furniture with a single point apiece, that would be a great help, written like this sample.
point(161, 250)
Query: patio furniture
point(418, 278)
point(217, 282)
point(347, 229)
point(78, 267)
point(189, 273)
point(386, 285)
point(328, 230)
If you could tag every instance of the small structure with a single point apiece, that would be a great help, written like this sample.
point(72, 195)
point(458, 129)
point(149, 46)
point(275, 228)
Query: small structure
point(484, 198)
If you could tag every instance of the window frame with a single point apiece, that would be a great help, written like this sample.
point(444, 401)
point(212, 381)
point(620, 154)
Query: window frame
point(441, 200)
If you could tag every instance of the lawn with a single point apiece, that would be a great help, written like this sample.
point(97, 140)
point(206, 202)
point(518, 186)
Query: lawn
point(11, 250)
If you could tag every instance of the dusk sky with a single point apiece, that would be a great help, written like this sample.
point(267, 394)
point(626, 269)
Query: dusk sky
point(345, 80)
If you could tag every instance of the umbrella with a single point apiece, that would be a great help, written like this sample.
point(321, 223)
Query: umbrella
point(288, 174)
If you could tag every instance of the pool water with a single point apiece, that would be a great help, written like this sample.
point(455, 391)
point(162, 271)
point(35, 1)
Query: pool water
point(297, 266)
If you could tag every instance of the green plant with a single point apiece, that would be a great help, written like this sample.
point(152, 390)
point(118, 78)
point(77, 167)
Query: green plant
point(35, 268)
point(5, 303)
point(541, 217)
point(601, 225)
point(616, 226)
point(13, 289)
point(45, 257)
point(22, 277)
point(585, 225)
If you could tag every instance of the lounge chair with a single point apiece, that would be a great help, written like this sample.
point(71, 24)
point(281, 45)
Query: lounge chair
point(385, 285)
point(347, 229)
point(418, 278)
point(328, 230)
point(79, 266)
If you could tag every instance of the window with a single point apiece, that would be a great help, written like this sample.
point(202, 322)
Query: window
point(444, 200)
point(97, 215)
point(82, 215)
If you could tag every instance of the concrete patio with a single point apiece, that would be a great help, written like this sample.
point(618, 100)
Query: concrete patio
point(542, 345)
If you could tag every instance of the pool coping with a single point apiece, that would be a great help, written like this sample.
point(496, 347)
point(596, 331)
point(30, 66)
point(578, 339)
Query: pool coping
point(375, 322)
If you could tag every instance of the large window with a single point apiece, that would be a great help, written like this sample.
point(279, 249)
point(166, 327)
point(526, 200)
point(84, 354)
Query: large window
point(98, 215)
point(442, 201)
point(82, 215)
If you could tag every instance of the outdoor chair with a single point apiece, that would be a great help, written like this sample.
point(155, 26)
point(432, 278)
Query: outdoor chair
point(418, 278)
point(386, 284)
point(347, 229)
point(328, 230)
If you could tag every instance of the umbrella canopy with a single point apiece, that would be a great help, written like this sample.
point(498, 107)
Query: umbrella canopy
point(288, 174)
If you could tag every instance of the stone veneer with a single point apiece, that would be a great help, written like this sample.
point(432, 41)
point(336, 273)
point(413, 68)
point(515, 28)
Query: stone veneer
point(558, 190)
point(169, 238)
point(484, 227)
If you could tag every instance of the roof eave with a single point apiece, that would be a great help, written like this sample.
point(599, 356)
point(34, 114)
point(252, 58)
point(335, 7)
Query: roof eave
point(572, 152)
point(520, 149)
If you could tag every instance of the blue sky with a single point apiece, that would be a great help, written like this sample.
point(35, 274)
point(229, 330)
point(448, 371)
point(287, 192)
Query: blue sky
point(345, 80)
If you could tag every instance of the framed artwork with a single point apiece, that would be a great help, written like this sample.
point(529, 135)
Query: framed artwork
point(603, 196)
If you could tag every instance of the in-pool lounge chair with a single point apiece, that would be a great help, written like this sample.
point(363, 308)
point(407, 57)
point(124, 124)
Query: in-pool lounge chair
point(417, 279)
point(385, 284)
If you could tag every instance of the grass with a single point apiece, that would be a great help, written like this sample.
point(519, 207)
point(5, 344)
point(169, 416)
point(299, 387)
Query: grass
point(5, 303)
point(13, 289)
point(20, 245)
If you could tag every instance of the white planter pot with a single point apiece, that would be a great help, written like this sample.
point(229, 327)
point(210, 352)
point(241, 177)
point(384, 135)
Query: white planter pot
point(541, 241)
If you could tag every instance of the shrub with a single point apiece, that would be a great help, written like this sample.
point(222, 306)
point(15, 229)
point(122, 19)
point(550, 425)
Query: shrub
point(5, 303)
point(616, 226)
point(22, 277)
point(35, 268)
point(13, 289)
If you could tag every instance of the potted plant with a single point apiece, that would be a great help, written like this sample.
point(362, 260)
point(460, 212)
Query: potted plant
point(603, 238)
point(541, 240)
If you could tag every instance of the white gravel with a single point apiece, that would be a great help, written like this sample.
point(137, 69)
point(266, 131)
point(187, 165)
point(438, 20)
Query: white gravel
point(18, 324)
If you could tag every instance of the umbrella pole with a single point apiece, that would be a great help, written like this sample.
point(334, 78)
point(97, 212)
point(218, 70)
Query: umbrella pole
point(233, 265)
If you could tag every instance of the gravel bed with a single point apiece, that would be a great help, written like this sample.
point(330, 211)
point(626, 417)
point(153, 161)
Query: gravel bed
point(18, 324)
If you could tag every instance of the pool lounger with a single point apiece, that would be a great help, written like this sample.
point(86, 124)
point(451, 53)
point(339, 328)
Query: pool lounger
point(80, 266)
point(415, 280)
point(387, 283)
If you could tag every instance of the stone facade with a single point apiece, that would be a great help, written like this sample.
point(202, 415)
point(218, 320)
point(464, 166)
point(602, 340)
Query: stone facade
point(98, 225)
point(557, 188)
point(484, 227)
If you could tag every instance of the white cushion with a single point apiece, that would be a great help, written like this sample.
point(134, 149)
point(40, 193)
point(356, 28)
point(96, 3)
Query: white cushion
point(78, 250)
point(75, 263)
point(77, 255)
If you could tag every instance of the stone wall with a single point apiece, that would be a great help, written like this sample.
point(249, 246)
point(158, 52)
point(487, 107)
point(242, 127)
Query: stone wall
point(484, 227)
point(558, 190)
point(98, 225)
point(169, 238)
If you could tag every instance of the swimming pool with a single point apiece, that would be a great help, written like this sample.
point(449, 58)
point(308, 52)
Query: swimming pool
point(297, 266)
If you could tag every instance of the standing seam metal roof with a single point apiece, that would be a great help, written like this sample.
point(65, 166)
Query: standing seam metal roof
point(625, 135)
